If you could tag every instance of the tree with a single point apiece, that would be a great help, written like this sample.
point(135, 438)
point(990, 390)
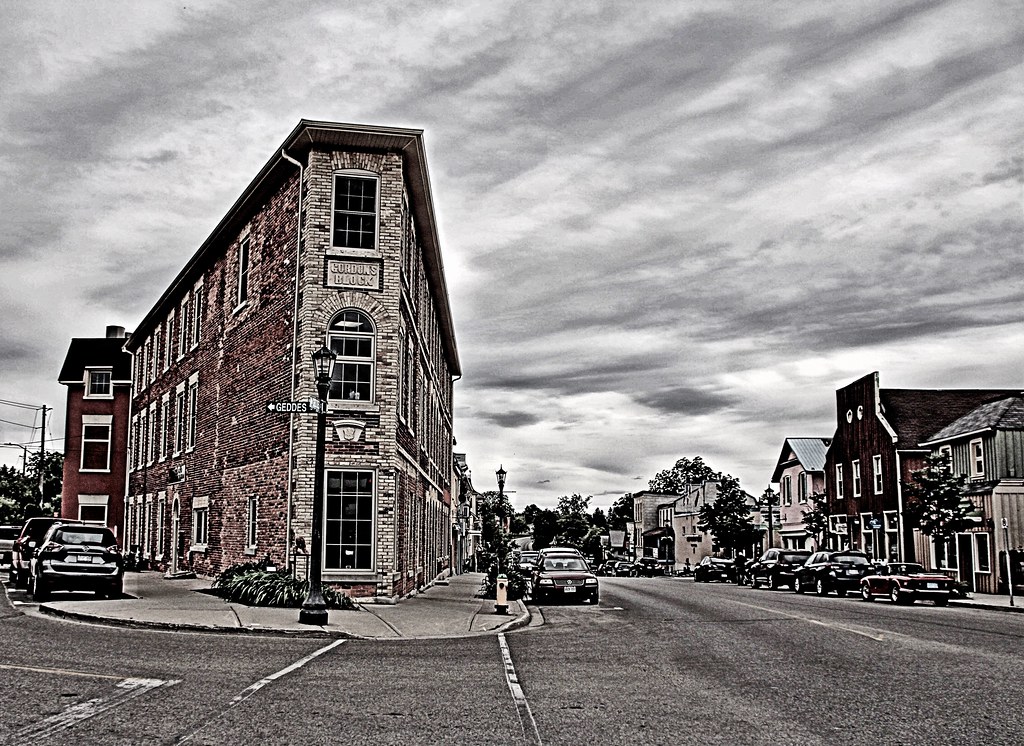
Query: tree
point(545, 528)
point(935, 500)
point(621, 512)
point(573, 519)
point(16, 493)
point(728, 517)
point(686, 472)
point(496, 554)
point(815, 520)
point(599, 519)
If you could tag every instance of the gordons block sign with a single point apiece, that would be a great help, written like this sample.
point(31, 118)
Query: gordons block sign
point(348, 274)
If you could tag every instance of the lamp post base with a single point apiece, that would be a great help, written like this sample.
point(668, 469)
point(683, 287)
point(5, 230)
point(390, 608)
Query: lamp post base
point(313, 616)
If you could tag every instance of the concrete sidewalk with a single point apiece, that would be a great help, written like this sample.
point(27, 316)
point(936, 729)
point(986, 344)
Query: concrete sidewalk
point(447, 609)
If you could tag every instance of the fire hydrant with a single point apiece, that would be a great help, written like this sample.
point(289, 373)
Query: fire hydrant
point(501, 595)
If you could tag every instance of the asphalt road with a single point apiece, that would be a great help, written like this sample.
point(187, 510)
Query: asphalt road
point(660, 660)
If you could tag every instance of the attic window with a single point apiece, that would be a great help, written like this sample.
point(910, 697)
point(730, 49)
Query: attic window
point(860, 413)
point(849, 415)
point(98, 384)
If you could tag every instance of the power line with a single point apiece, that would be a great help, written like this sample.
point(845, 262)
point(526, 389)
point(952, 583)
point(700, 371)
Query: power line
point(19, 424)
point(23, 405)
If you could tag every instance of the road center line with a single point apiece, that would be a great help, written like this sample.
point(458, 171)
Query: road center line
point(876, 635)
point(59, 672)
point(253, 688)
point(530, 733)
point(126, 690)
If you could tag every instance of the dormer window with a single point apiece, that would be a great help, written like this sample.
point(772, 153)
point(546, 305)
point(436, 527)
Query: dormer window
point(98, 384)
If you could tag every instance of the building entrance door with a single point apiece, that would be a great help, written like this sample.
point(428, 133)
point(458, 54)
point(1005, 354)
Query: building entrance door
point(175, 519)
point(965, 553)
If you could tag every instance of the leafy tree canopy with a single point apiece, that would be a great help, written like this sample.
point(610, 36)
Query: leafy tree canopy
point(728, 518)
point(621, 512)
point(686, 471)
point(815, 519)
point(935, 499)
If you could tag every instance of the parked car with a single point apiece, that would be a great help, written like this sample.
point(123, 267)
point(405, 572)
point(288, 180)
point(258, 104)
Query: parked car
point(647, 567)
point(561, 550)
point(824, 572)
point(565, 576)
point(30, 536)
point(776, 567)
point(8, 535)
point(527, 560)
point(906, 582)
point(618, 569)
point(713, 568)
point(76, 557)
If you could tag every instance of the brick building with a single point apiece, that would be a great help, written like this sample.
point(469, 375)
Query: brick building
point(98, 374)
point(334, 243)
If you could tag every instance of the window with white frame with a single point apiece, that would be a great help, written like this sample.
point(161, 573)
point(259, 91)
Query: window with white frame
point(354, 218)
point(200, 522)
point(242, 293)
point(982, 552)
point(197, 314)
point(855, 474)
point(98, 383)
point(193, 410)
point(158, 351)
point(251, 522)
point(165, 413)
point(92, 509)
point(876, 468)
point(169, 340)
point(96, 442)
point(147, 525)
point(180, 411)
point(161, 508)
point(945, 554)
point(183, 327)
point(787, 490)
point(351, 337)
point(839, 481)
point(803, 487)
point(977, 455)
point(348, 520)
point(890, 522)
point(151, 423)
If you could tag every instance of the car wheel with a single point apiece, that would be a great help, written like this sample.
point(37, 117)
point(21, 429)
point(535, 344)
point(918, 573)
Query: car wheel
point(770, 583)
point(895, 596)
point(798, 587)
point(595, 600)
point(941, 601)
point(819, 587)
point(20, 579)
point(865, 593)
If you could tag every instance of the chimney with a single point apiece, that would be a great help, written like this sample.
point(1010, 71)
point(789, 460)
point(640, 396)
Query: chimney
point(115, 332)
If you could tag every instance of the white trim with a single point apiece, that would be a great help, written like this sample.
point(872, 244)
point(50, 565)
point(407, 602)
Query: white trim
point(355, 250)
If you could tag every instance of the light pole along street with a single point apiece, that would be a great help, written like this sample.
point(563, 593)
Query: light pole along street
point(314, 608)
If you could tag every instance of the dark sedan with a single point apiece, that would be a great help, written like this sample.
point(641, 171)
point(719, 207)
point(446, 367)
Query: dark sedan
point(906, 582)
point(713, 568)
point(566, 577)
point(77, 558)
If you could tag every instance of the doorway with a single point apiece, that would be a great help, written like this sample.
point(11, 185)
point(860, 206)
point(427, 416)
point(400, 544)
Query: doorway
point(965, 553)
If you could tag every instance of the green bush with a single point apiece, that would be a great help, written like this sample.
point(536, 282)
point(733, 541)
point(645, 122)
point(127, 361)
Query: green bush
point(252, 584)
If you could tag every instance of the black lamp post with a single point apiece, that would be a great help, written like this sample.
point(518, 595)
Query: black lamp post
point(314, 608)
point(500, 473)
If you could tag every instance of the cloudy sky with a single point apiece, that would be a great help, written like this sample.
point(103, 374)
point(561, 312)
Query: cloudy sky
point(670, 228)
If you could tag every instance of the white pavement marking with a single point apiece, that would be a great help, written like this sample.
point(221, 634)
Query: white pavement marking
point(252, 689)
point(530, 733)
point(869, 632)
point(59, 671)
point(46, 730)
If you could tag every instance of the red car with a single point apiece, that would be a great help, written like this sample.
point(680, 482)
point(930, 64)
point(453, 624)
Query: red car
point(906, 582)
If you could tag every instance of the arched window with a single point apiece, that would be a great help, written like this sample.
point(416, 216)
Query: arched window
point(351, 337)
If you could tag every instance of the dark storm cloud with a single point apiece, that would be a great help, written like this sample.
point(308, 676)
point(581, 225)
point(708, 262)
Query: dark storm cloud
point(685, 400)
point(510, 419)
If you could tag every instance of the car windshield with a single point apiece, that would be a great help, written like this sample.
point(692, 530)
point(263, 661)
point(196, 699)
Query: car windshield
point(793, 557)
point(850, 559)
point(528, 557)
point(564, 563)
point(905, 569)
point(82, 536)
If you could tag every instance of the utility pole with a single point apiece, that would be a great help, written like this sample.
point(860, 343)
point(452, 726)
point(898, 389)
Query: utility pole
point(42, 453)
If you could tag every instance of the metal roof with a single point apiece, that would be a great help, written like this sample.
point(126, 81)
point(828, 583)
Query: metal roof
point(808, 452)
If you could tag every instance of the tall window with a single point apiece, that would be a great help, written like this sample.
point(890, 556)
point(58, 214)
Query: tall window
point(355, 212)
point(183, 328)
point(243, 273)
point(855, 473)
point(348, 521)
point(179, 420)
point(839, 481)
point(977, 455)
point(200, 526)
point(197, 315)
point(151, 434)
point(351, 337)
point(193, 409)
point(165, 411)
point(250, 522)
point(98, 384)
point(876, 468)
point(161, 508)
point(803, 487)
point(169, 340)
point(787, 490)
point(95, 442)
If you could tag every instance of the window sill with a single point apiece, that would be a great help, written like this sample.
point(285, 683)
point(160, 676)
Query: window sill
point(250, 551)
point(350, 576)
point(97, 471)
point(352, 405)
point(197, 549)
point(98, 397)
point(239, 308)
point(339, 252)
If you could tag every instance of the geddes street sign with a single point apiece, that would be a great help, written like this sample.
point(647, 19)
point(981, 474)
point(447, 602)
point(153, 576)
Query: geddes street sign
point(312, 404)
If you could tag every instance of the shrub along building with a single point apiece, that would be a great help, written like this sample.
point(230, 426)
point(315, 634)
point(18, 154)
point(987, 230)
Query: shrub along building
point(333, 243)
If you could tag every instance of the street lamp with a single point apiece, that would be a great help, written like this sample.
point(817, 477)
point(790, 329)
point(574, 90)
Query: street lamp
point(500, 473)
point(314, 608)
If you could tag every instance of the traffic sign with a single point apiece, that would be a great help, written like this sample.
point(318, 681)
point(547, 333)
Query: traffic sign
point(295, 407)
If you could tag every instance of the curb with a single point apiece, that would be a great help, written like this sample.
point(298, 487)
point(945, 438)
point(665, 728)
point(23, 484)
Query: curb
point(987, 607)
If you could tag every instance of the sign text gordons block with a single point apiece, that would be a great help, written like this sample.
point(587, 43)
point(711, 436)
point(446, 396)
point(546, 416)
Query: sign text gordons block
point(343, 273)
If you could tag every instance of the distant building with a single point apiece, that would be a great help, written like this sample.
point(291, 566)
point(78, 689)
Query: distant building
point(97, 373)
point(799, 473)
point(333, 243)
